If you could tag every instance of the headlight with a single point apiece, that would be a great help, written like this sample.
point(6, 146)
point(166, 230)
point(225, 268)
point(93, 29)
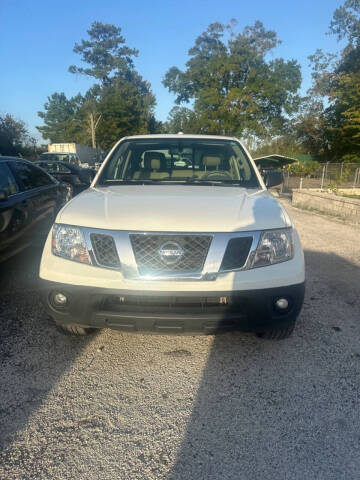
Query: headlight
point(275, 246)
point(68, 242)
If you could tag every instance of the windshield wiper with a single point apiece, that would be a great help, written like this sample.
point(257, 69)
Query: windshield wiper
point(167, 181)
point(222, 183)
point(194, 181)
point(109, 183)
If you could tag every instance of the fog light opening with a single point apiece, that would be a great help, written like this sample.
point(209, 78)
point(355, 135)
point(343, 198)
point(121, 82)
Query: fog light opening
point(282, 304)
point(60, 299)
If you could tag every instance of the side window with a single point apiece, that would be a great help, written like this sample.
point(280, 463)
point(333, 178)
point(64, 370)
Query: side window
point(43, 165)
point(42, 179)
point(74, 159)
point(48, 167)
point(61, 168)
point(54, 167)
point(31, 176)
point(7, 180)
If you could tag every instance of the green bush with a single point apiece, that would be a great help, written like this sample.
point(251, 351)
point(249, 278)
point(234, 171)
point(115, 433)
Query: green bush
point(304, 169)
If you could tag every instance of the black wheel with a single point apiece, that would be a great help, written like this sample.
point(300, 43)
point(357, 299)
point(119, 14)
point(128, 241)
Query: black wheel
point(69, 191)
point(75, 329)
point(279, 333)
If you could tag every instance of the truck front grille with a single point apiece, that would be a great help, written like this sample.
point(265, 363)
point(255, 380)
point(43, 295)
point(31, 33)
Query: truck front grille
point(156, 254)
point(105, 250)
point(170, 255)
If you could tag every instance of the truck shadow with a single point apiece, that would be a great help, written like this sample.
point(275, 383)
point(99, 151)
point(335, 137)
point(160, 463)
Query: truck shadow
point(283, 409)
point(33, 354)
point(263, 410)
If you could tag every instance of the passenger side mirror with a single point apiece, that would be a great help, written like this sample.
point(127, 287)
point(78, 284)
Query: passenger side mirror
point(273, 178)
point(3, 195)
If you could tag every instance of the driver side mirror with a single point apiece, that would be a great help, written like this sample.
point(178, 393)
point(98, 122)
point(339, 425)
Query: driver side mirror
point(272, 178)
point(3, 195)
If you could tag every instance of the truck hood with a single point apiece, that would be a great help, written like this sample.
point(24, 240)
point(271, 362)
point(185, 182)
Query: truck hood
point(175, 208)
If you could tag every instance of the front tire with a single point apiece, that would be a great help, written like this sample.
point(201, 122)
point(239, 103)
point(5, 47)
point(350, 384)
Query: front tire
point(278, 333)
point(74, 329)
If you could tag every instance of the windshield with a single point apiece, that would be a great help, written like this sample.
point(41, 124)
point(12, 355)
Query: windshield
point(197, 161)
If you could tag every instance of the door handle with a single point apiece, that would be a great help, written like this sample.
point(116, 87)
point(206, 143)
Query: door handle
point(25, 203)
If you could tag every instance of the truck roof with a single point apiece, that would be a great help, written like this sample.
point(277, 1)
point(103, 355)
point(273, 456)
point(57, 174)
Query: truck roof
point(11, 158)
point(180, 135)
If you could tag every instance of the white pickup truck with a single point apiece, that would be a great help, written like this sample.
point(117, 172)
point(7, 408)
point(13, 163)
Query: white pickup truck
point(74, 153)
point(176, 234)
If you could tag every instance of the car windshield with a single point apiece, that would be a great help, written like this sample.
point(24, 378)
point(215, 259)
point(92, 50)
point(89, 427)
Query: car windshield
point(56, 167)
point(193, 161)
point(54, 157)
point(60, 157)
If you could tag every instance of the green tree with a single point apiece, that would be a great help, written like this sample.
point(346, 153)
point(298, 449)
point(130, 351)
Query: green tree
point(60, 117)
point(14, 137)
point(346, 23)
point(236, 90)
point(123, 100)
point(343, 117)
point(105, 52)
point(181, 119)
point(88, 116)
point(127, 109)
point(310, 130)
point(304, 169)
point(337, 79)
point(281, 145)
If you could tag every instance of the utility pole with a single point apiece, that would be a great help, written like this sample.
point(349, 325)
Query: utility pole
point(93, 124)
point(322, 178)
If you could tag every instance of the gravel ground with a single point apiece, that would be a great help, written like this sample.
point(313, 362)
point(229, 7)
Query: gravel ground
point(122, 406)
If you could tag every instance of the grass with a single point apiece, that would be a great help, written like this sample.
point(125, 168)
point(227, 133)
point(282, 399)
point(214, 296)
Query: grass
point(317, 211)
point(349, 195)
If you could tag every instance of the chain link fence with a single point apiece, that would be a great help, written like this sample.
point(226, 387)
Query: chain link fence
point(329, 175)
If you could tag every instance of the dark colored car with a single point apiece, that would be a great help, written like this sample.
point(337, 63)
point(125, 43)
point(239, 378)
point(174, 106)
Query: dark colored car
point(76, 179)
point(29, 202)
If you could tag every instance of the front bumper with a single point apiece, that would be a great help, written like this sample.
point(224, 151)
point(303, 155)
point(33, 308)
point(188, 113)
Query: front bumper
point(173, 312)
